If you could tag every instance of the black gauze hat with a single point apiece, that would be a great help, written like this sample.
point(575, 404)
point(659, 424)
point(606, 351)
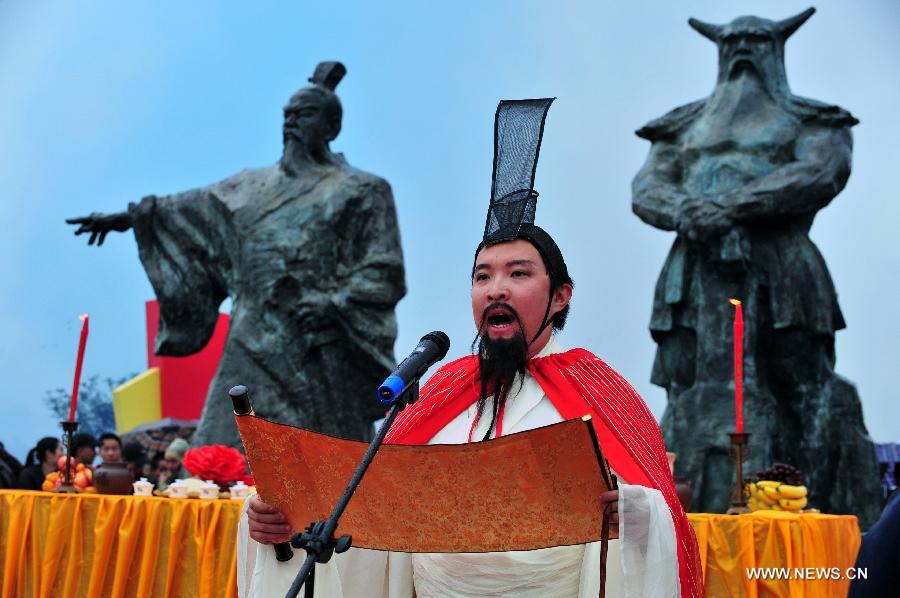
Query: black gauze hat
point(518, 130)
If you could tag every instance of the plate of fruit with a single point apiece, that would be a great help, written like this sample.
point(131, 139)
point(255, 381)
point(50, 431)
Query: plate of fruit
point(778, 488)
point(82, 476)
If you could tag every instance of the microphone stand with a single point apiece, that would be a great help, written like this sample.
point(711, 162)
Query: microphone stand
point(318, 539)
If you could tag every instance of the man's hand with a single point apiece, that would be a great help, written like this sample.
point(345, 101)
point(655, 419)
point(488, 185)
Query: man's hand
point(609, 501)
point(99, 225)
point(267, 524)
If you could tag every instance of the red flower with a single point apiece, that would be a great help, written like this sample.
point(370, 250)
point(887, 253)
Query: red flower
point(219, 463)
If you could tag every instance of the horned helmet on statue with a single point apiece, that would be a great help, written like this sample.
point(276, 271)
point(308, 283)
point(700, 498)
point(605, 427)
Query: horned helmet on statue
point(751, 52)
point(520, 283)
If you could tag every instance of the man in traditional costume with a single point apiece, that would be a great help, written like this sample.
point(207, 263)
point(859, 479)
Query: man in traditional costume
point(519, 379)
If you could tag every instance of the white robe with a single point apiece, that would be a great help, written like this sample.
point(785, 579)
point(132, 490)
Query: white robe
point(643, 562)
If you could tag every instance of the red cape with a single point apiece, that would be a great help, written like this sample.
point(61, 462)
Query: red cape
point(577, 383)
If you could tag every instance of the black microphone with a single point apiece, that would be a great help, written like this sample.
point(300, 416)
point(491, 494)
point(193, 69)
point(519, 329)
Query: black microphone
point(432, 348)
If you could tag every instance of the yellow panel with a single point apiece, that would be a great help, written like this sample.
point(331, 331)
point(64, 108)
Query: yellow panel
point(137, 401)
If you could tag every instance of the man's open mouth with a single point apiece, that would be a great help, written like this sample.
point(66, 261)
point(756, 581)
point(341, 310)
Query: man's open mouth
point(500, 318)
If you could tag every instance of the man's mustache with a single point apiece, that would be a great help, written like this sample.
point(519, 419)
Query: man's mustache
point(488, 311)
point(495, 307)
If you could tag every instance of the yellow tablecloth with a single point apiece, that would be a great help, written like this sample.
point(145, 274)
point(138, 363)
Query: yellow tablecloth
point(95, 545)
point(729, 544)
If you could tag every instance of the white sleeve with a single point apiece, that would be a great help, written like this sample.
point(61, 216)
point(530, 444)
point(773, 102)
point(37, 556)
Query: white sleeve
point(246, 553)
point(357, 572)
point(648, 544)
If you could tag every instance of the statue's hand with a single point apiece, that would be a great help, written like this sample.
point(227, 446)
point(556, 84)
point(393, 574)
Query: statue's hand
point(316, 311)
point(699, 219)
point(99, 225)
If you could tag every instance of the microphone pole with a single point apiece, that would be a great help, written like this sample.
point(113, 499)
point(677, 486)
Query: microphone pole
point(318, 538)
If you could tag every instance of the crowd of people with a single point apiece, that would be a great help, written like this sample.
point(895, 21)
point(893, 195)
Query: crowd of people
point(159, 468)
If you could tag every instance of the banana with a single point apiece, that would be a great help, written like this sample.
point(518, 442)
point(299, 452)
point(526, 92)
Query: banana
point(776, 507)
point(768, 484)
point(792, 504)
point(751, 488)
point(765, 499)
point(787, 491)
point(771, 493)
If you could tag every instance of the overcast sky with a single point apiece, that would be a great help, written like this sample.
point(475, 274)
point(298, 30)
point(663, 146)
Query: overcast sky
point(102, 103)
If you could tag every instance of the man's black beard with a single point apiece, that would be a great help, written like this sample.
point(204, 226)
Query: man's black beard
point(499, 360)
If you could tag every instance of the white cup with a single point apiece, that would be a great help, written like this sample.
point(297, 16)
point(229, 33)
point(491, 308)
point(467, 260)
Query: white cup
point(240, 491)
point(178, 489)
point(209, 490)
point(143, 488)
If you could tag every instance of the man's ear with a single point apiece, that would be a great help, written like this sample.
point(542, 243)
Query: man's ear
point(561, 297)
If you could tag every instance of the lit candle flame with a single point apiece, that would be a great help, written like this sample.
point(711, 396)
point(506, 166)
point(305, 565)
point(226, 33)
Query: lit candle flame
point(734, 301)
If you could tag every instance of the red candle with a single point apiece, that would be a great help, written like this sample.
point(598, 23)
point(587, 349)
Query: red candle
point(738, 366)
point(80, 359)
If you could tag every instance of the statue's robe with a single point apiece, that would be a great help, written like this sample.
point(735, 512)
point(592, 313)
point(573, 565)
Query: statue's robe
point(314, 268)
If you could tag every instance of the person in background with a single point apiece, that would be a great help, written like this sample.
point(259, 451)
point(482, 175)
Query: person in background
point(9, 469)
point(878, 555)
point(110, 447)
point(170, 467)
point(164, 477)
point(40, 461)
point(174, 455)
point(134, 455)
point(7, 476)
point(151, 467)
point(84, 448)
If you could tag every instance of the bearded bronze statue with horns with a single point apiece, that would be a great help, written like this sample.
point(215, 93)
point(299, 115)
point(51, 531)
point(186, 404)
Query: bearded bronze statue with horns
point(739, 176)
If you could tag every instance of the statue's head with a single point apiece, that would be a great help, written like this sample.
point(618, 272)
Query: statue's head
point(312, 117)
point(752, 45)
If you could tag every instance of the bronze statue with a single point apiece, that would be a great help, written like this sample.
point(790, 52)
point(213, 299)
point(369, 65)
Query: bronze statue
point(309, 252)
point(740, 176)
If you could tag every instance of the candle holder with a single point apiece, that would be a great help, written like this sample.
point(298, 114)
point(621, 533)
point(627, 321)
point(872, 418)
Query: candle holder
point(740, 450)
point(69, 429)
